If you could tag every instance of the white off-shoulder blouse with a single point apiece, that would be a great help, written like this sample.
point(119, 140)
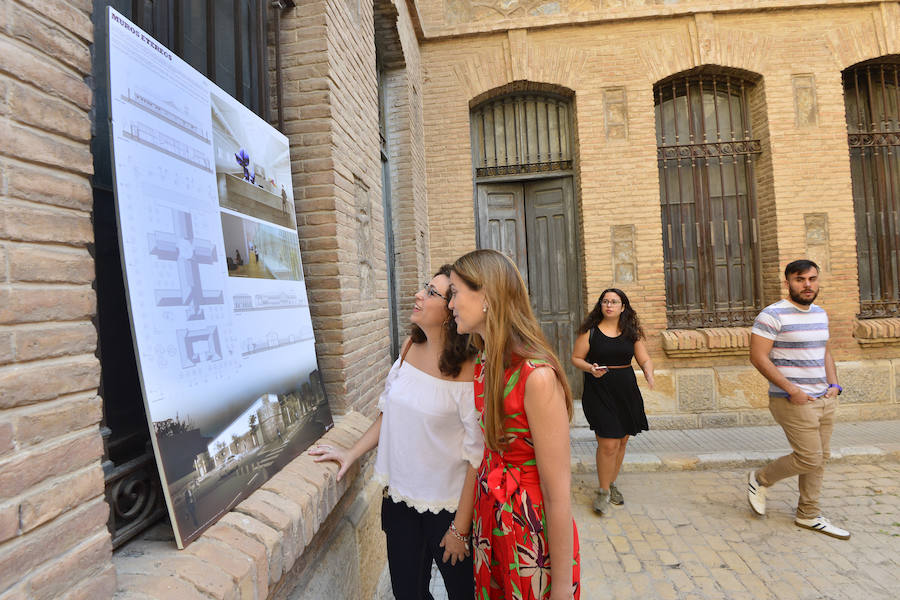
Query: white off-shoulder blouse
point(429, 436)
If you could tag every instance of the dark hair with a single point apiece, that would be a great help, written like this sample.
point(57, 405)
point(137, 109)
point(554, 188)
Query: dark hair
point(628, 320)
point(799, 266)
point(457, 348)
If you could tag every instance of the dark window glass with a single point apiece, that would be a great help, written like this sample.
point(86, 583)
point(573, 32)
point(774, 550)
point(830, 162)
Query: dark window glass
point(871, 98)
point(706, 178)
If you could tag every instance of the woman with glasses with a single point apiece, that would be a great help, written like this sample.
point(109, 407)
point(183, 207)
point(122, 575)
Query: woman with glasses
point(429, 444)
point(608, 339)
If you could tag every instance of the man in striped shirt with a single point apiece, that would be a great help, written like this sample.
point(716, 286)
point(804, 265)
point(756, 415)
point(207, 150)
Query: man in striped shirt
point(789, 346)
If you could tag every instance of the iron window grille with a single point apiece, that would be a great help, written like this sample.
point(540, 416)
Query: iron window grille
point(522, 133)
point(705, 155)
point(871, 100)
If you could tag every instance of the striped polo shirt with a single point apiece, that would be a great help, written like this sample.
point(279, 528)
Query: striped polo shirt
point(800, 338)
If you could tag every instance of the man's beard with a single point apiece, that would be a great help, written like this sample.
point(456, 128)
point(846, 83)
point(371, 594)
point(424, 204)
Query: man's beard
point(800, 299)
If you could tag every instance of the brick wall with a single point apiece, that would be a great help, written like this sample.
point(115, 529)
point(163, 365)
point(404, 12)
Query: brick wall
point(53, 537)
point(804, 167)
point(331, 118)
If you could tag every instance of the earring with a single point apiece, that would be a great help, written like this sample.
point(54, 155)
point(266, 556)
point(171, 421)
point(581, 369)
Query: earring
point(484, 308)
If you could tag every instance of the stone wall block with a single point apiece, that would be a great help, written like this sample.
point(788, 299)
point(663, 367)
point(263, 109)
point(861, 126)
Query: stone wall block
point(31, 383)
point(33, 263)
point(52, 419)
point(661, 399)
point(47, 149)
point(275, 518)
point(741, 388)
point(720, 419)
point(249, 547)
point(696, 390)
point(9, 521)
point(25, 469)
point(49, 186)
point(74, 17)
point(238, 566)
point(31, 107)
point(868, 382)
point(673, 421)
point(270, 538)
point(206, 577)
point(158, 588)
point(59, 496)
point(31, 304)
point(23, 554)
point(300, 493)
point(31, 66)
point(7, 437)
point(52, 340)
point(879, 412)
point(7, 349)
point(757, 417)
point(102, 585)
point(33, 29)
point(895, 366)
point(81, 562)
point(32, 223)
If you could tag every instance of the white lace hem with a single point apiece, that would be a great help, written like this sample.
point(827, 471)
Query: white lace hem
point(420, 506)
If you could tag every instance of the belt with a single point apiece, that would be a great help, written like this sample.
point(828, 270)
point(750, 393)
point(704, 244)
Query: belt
point(617, 366)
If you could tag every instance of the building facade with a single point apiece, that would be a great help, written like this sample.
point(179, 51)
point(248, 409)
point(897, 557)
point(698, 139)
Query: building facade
point(683, 152)
point(693, 150)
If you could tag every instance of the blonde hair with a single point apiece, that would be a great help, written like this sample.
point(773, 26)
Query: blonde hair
point(509, 327)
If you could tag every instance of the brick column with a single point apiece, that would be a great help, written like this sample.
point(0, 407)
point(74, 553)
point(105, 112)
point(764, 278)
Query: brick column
point(53, 537)
point(331, 119)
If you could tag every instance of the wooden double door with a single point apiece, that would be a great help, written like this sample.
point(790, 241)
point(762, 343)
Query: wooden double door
point(533, 222)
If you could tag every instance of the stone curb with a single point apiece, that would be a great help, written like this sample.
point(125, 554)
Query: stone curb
point(681, 461)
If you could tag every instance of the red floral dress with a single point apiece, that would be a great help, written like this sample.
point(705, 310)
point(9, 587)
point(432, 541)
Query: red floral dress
point(509, 535)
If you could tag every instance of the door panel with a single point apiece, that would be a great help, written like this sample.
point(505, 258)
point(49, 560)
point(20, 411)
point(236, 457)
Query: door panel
point(533, 224)
point(553, 267)
point(501, 222)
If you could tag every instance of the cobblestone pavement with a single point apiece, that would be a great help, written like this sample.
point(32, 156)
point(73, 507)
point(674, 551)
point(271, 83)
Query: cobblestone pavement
point(691, 535)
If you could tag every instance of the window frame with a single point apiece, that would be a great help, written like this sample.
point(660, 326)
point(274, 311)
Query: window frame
point(706, 239)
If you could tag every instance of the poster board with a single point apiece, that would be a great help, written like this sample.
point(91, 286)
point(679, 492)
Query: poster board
point(216, 294)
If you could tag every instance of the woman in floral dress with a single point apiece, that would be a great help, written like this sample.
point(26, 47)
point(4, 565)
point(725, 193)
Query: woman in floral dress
point(523, 511)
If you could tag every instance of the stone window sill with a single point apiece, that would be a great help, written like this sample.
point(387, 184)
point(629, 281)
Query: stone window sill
point(248, 551)
point(713, 341)
point(877, 332)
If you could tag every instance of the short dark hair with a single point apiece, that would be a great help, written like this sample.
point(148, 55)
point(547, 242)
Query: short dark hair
point(799, 266)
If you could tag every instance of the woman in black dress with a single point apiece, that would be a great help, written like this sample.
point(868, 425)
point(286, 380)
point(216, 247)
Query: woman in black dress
point(609, 338)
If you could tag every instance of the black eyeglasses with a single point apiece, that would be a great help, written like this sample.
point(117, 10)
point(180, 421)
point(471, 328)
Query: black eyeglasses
point(429, 290)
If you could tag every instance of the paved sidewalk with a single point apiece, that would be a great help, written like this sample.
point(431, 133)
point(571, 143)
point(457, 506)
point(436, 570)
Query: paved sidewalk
point(690, 535)
point(732, 447)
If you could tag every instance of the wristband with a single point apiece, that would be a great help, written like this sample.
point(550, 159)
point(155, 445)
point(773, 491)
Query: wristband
point(834, 385)
point(455, 532)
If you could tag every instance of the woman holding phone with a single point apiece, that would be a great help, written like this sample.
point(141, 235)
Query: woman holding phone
point(608, 339)
point(429, 444)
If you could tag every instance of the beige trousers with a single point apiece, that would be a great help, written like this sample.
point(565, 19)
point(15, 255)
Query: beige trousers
point(808, 429)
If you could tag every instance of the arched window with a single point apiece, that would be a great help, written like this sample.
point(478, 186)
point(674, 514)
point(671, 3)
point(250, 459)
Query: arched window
point(871, 93)
point(706, 184)
point(522, 133)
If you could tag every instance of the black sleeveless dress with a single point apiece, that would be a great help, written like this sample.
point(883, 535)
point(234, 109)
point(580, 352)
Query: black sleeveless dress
point(612, 404)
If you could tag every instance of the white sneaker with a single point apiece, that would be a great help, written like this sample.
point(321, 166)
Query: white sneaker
point(756, 494)
point(822, 525)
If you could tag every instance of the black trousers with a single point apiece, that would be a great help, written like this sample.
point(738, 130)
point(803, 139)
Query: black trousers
point(413, 542)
